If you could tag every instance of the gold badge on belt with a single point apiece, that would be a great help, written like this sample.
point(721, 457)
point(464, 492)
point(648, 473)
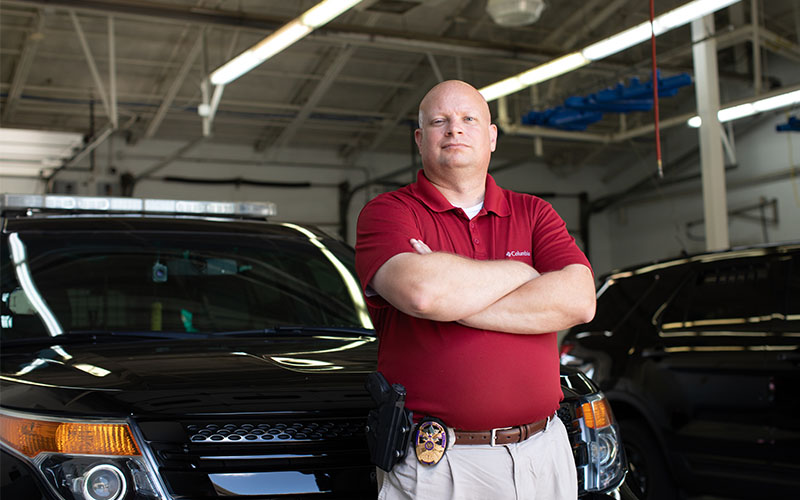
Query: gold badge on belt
point(431, 441)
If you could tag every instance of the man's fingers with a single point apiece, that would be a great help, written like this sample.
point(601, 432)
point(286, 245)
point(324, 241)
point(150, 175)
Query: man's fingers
point(420, 247)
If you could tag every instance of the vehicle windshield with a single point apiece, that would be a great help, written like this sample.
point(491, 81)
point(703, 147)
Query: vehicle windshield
point(54, 283)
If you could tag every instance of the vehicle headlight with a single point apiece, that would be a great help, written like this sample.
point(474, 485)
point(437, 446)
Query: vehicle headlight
point(604, 465)
point(82, 460)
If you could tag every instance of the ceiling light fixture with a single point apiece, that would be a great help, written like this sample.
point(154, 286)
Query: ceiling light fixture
point(546, 71)
point(609, 46)
point(752, 108)
point(515, 12)
point(288, 34)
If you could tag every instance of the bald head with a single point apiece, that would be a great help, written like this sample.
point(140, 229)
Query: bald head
point(447, 89)
point(456, 135)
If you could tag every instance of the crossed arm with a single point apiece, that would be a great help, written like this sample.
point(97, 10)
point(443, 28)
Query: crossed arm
point(500, 295)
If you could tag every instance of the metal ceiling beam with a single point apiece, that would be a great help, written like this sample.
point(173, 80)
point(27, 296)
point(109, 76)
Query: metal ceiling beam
point(343, 33)
point(620, 136)
point(779, 45)
point(319, 92)
point(175, 86)
point(569, 43)
point(175, 13)
point(170, 158)
point(262, 72)
point(565, 24)
point(23, 68)
point(413, 99)
point(411, 102)
point(75, 98)
point(596, 20)
point(435, 67)
point(330, 74)
point(98, 82)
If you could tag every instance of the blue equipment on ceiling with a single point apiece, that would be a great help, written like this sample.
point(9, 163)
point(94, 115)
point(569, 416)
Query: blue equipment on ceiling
point(579, 112)
point(793, 125)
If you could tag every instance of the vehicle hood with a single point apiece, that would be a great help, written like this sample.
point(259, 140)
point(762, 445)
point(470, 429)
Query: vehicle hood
point(208, 375)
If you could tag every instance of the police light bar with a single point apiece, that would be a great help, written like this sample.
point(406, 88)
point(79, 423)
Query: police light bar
point(136, 205)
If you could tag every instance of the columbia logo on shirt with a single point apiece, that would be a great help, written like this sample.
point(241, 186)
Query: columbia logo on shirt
point(518, 253)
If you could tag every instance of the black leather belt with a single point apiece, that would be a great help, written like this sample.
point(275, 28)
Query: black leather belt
point(504, 435)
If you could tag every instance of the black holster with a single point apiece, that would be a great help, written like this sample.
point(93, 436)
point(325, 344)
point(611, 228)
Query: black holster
point(389, 424)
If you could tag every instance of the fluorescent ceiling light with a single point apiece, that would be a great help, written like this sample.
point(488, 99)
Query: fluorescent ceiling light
point(778, 101)
point(288, 34)
point(323, 12)
point(281, 39)
point(501, 88)
point(751, 108)
point(616, 43)
point(553, 68)
point(688, 13)
point(538, 74)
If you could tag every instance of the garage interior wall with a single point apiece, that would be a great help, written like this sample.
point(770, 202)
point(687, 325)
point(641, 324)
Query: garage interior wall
point(635, 216)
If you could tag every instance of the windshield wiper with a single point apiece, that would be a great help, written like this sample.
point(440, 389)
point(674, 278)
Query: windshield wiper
point(300, 331)
point(137, 334)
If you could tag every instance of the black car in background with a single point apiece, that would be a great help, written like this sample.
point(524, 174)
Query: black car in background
point(157, 349)
point(700, 359)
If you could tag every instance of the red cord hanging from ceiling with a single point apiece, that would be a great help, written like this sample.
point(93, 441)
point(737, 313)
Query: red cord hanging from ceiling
point(655, 89)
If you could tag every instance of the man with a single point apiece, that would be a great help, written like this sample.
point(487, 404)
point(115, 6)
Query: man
point(467, 284)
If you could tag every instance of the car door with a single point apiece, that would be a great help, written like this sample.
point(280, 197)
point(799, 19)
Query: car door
point(730, 337)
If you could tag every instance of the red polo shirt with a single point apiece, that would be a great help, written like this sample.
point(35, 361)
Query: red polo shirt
point(472, 379)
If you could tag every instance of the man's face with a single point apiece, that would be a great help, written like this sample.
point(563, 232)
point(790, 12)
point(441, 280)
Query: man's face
point(456, 129)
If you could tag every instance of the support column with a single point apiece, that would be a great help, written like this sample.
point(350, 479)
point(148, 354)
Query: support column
point(112, 74)
point(706, 84)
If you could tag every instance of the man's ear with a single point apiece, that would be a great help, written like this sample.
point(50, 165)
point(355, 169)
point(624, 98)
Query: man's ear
point(418, 138)
point(493, 136)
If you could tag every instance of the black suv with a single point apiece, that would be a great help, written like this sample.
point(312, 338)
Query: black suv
point(700, 358)
point(157, 349)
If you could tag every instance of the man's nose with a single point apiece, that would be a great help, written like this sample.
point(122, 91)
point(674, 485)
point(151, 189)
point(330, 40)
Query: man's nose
point(454, 128)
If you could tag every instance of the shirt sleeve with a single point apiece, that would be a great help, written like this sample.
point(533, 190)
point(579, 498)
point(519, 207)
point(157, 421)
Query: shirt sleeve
point(385, 226)
point(553, 247)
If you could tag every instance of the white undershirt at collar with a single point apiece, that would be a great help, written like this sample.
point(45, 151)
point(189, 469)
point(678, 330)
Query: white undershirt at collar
point(472, 211)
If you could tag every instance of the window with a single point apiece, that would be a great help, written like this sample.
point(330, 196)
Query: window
point(730, 295)
point(185, 282)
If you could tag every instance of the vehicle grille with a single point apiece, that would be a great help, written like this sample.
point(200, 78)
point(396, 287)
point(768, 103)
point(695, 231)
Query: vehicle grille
point(263, 457)
point(275, 432)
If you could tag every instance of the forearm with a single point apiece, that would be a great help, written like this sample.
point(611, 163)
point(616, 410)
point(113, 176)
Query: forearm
point(447, 287)
point(554, 301)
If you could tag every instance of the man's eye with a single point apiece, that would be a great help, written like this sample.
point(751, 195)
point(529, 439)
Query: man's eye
point(469, 119)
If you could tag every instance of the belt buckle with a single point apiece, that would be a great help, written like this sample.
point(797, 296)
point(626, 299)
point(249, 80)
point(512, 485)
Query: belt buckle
point(493, 432)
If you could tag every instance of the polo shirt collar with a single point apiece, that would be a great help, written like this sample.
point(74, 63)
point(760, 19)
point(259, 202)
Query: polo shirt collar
point(494, 201)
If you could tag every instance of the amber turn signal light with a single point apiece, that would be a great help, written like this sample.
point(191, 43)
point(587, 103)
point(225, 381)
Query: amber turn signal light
point(31, 437)
point(597, 414)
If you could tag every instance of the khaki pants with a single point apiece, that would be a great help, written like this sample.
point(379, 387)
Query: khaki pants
point(541, 467)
